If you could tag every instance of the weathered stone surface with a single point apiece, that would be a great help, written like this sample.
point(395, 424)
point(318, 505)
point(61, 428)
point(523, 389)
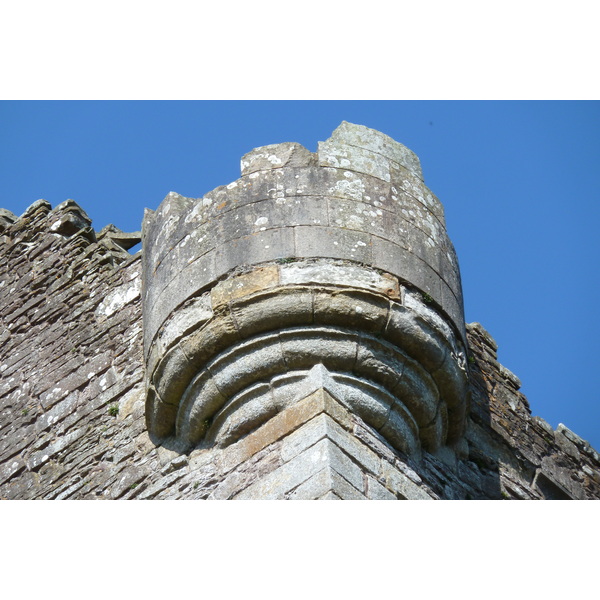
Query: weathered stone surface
point(276, 156)
point(250, 218)
point(338, 274)
point(358, 148)
point(414, 404)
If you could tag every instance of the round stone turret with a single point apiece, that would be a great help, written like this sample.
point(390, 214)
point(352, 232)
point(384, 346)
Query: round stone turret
point(330, 268)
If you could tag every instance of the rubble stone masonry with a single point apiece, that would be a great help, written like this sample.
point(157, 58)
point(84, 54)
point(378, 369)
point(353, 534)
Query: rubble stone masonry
point(269, 341)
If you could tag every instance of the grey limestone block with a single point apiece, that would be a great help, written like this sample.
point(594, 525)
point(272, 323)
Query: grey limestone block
point(399, 484)
point(256, 248)
point(379, 143)
point(359, 148)
point(376, 491)
point(269, 214)
point(322, 455)
point(7, 218)
point(337, 154)
point(332, 242)
point(121, 238)
point(276, 156)
point(340, 183)
point(280, 309)
point(353, 214)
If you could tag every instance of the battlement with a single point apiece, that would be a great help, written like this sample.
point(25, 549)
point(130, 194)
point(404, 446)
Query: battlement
point(297, 333)
point(68, 221)
point(342, 253)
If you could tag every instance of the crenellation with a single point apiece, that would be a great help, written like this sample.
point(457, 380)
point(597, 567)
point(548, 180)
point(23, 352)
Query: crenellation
point(297, 333)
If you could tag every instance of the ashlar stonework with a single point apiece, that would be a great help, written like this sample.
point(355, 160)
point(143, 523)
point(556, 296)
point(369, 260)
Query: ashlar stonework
point(295, 334)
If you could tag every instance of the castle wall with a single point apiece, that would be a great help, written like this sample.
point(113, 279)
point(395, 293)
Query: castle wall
point(339, 258)
point(73, 420)
point(72, 404)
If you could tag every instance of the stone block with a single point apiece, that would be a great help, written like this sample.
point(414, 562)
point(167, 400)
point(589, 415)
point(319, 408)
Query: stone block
point(375, 491)
point(201, 400)
point(276, 428)
point(379, 361)
point(371, 402)
point(279, 309)
point(354, 309)
point(258, 186)
point(379, 143)
point(337, 154)
point(276, 156)
point(218, 202)
point(330, 496)
point(194, 243)
point(400, 485)
point(326, 485)
point(257, 360)
point(337, 274)
point(205, 343)
point(305, 347)
point(290, 211)
point(339, 413)
point(263, 246)
point(192, 315)
point(453, 307)
point(333, 183)
point(404, 180)
point(249, 409)
point(316, 486)
point(160, 417)
point(358, 452)
point(393, 258)
point(172, 375)
point(187, 283)
point(291, 474)
point(288, 476)
point(416, 337)
point(348, 469)
point(360, 216)
point(332, 242)
point(162, 230)
point(195, 276)
point(305, 436)
point(257, 280)
point(401, 430)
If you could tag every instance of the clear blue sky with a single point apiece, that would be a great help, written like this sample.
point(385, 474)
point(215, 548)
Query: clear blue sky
point(520, 183)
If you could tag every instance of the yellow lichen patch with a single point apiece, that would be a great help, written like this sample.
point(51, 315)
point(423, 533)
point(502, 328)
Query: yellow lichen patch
point(237, 287)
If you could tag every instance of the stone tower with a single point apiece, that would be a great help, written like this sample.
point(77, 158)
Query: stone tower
point(331, 269)
point(298, 333)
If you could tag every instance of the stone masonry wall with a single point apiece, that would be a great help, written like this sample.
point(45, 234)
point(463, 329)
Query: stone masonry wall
point(339, 258)
point(71, 364)
point(72, 421)
point(531, 459)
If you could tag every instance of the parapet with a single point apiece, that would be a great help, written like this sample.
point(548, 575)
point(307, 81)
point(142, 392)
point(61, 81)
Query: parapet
point(295, 371)
point(337, 261)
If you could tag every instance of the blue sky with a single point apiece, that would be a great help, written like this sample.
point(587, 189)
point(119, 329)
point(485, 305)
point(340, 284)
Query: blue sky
point(519, 181)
